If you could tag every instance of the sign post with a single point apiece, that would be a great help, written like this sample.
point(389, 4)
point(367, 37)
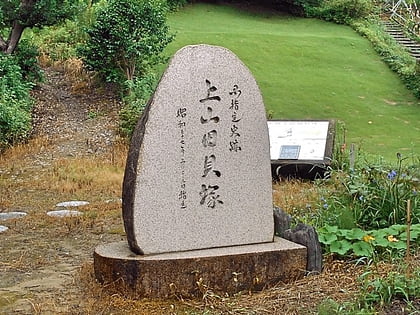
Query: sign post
point(301, 148)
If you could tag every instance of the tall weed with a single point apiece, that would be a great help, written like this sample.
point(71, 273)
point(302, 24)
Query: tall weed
point(371, 196)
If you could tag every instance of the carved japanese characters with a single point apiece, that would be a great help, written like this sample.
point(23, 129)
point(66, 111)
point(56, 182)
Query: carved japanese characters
point(198, 170)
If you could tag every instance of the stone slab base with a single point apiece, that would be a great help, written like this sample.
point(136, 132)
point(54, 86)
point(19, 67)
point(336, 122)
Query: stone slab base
point(192, 273)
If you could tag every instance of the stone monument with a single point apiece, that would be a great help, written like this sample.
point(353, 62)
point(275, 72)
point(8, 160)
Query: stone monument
point(197, 194)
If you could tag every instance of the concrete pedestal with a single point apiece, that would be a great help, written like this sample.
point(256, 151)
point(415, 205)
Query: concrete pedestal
point(191, 273)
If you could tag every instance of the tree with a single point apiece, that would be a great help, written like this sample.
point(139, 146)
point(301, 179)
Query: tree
point(126, 39)
point(16, 15)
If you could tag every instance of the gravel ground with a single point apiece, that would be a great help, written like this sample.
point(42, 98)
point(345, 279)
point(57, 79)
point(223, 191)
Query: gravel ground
point(77, 123)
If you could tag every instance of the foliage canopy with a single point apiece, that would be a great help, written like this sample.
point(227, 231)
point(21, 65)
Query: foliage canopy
point(16, 15)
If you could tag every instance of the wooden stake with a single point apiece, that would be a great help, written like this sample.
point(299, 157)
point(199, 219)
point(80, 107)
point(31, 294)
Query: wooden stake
point(407, 253)
point(352, 155)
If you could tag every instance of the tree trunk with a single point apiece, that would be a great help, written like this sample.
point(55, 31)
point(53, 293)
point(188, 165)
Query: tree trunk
point(9, 46)
point(15, 36)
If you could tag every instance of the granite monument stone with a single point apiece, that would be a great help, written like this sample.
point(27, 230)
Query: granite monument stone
point(197, 191)
point(198, 171)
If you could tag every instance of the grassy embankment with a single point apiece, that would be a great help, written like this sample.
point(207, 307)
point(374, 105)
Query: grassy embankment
point(310, 69)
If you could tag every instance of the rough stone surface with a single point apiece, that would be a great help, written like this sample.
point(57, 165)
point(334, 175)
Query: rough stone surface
point(64, 213)
point(198, 170)
point(12, 215)
point(306, 235)
point(73, 203)
point(282, 221)
point(221, 270)
point(3, 228)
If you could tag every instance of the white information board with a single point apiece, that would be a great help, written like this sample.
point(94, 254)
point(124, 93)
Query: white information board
point(297, 140)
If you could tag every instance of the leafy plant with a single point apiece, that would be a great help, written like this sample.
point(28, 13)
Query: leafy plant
point(15, 102)
point(126, 39)
point(359, 243)
point(139, 92)
point(330, 307)
point(26, 56)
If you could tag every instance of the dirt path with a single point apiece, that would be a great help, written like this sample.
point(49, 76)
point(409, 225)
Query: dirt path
point(77, 123)
point(40, 256)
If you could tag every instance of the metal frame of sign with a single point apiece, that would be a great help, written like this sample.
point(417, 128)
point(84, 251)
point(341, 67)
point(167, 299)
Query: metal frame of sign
point(296, 167)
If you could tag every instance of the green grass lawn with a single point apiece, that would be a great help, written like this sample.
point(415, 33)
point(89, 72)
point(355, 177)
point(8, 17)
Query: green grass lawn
point(310, 69)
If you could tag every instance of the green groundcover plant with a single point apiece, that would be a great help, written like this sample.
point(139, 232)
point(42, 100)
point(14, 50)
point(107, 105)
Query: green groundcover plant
point(360, 243)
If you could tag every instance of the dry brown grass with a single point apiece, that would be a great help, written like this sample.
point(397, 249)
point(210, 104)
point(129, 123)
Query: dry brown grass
point(294, 194)
point(300, 297)
point(79, 78)
point(87, 177)
point(14, 155)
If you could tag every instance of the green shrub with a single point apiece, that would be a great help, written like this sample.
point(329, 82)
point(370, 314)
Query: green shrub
point(343, 11)
point(309, 6)
point(26, 55)
point(176, 4)
point(58, 42)
point(126, 39)
point(15, 102)
point(139, 93)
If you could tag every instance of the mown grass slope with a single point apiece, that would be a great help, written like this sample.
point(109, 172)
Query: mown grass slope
point(311, 69)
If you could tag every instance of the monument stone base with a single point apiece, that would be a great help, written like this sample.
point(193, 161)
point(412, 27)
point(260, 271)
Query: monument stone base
point(192, 273)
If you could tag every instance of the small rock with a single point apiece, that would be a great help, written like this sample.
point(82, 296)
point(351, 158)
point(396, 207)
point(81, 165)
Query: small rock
point(3, 228)
point(306, 235)
point(64, 213)
point(74, 203)
point(12, 215)
point(282, 221)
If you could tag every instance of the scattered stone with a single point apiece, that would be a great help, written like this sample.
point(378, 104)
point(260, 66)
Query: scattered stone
point(12, 215)
point(64, 213)
point(74, 203)
point(198, 172)
point(306, 235)
point(117, 200)
point(3, 228)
